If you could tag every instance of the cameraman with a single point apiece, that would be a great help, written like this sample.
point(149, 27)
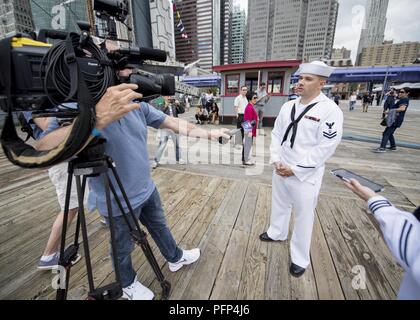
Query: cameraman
point(401, 231)
point(127, 145)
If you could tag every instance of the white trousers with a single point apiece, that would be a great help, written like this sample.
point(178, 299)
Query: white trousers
point(302, 196)
point(409, 289)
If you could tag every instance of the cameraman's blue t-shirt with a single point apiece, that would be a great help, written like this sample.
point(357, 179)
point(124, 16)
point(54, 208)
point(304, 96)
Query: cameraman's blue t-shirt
point(127, 146)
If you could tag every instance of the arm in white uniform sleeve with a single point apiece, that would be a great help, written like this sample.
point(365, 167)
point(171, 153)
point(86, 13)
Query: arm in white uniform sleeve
point(401, 231)
point(329, 137)
point(276, 139)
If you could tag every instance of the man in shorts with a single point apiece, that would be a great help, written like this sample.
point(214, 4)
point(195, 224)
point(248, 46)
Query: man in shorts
point(58, 176)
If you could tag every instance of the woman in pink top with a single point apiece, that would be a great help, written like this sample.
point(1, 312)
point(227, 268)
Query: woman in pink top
point(250, 114)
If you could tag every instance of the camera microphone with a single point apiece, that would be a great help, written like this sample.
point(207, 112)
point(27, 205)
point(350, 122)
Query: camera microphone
point(233, 132)
point(140, 53)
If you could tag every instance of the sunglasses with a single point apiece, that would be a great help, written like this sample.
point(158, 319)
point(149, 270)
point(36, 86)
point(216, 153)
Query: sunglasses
point(402, 91)
point(254, 98)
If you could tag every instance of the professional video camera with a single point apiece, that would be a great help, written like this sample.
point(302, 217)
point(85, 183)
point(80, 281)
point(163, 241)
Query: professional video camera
point(39, 77)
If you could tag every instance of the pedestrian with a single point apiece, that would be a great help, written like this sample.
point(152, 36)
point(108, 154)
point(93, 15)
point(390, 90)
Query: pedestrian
point(262, 99)
point(169, 109)
point(240, 104)
point(400, 107)
point(353, 100)
point(249, 116)
point(365, 102)
point(389, 102)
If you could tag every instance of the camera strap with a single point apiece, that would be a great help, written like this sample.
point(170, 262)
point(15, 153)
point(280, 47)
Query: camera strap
point(71, 61)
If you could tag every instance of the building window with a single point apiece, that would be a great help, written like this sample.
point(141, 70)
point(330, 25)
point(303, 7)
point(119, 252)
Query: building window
point(251, 81)
point(232, 84)
point(275, 82)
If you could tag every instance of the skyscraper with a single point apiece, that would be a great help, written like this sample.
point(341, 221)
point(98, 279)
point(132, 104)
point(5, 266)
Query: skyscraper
point(162, 21)
point(205, 33)
point(237, 35)
point(15, 16)
point(58, 15)
point(225, 29)
point(321, 22)
point(373, 31)
point(290, 29)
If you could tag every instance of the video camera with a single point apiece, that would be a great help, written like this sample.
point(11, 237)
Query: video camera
point(39, 77)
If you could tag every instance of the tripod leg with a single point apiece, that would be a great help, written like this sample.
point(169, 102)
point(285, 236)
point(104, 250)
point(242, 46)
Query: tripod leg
point(112, 228)
point(76, 236)
point(80, 196)
point(62, 289)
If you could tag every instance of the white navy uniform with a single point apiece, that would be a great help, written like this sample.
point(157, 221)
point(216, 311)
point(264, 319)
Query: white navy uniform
point(401, 231)
point(317, 136)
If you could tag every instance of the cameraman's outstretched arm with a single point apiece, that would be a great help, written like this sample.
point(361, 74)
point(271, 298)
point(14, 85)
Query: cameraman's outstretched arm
point(115, 104)
point(188, 129)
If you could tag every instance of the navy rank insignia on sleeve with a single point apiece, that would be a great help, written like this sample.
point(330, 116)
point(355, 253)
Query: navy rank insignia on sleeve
point(330, 134)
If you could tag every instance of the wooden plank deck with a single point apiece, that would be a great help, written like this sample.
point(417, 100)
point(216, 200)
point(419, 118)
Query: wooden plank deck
point(223, 216)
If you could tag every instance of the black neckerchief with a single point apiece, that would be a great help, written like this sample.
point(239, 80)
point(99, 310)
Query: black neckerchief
point(294, 124)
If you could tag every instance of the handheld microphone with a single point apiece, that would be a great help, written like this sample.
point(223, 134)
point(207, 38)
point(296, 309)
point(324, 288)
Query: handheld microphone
point(233, 132)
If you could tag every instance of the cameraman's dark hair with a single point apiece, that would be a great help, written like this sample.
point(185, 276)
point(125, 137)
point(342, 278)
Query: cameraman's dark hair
point(407, 89)
point(249, 96)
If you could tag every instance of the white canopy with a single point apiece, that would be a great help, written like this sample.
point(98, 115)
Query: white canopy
point(407, 85)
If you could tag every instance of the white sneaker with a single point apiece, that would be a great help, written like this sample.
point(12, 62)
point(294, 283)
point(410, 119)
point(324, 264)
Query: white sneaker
point(137, 291)
point(188, 257)
point(154, 164)
point(181, 161)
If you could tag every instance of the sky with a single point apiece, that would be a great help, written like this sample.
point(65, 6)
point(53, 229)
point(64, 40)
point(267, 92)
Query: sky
point(403, 23)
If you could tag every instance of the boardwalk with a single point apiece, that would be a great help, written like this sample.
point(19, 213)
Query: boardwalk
point(223, 211)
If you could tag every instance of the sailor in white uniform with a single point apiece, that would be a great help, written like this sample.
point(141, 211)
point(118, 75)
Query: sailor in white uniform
point(306, 133)
point(401, 231)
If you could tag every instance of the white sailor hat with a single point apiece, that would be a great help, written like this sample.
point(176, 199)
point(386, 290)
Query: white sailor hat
point(317, 68)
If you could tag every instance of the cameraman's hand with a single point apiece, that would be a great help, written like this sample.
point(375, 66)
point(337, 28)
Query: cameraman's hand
point(363, 192)
point(116, 103)
point(216, 134)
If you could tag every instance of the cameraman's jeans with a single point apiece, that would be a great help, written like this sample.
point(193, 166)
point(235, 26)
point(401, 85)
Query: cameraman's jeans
point(164, 136)
point(260, 111)
point(151, 215)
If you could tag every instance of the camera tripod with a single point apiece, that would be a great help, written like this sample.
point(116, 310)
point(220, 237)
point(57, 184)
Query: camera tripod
point(92, 162)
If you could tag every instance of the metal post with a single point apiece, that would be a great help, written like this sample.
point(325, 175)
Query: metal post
point(384, 85)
